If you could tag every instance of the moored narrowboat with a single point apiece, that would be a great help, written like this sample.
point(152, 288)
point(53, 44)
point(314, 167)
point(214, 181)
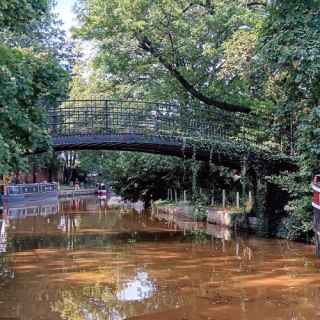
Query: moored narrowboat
point(29, 192)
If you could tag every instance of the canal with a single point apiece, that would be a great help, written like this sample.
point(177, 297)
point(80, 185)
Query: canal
point(79, 259)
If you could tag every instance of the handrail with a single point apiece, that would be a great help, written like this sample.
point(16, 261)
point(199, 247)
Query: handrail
point(110, 116)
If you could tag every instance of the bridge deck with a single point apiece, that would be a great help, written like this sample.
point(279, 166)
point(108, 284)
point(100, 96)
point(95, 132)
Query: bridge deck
point(164, 129)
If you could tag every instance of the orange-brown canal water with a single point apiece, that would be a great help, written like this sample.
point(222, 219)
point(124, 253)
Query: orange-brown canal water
point(80, 260)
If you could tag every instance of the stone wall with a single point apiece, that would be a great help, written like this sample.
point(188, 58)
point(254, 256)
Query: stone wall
point(230, 219)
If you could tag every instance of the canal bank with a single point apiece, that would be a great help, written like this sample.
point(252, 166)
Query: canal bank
point(71, 192)
point(232, 217)
point(242, 219)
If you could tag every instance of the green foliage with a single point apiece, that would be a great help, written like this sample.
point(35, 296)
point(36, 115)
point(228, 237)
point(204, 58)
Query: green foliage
point(289, 57)
point(29, 80)
point(24, 81)
point(42, 34)
point(200, 205)
point(136, 176)
point(194, 38)
point(298, 224)
point(198, 236)
point(17, 14)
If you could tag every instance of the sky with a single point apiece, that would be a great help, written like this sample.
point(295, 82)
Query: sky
point(64, 9)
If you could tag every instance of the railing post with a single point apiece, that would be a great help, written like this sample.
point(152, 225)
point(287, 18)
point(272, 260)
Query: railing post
point(250, 197)
point(244, 178)
point(212, 196)
point(238, 200)
point(291, 135)
point(53, 120)
point(106, 116)
point(243, 130)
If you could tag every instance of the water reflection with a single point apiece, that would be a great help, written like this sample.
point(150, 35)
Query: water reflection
point(42, 208)
point(3, 236)
point(91, 261)
point(77, 222)
point(140, 288)
point(106, 302)
point(69, 224)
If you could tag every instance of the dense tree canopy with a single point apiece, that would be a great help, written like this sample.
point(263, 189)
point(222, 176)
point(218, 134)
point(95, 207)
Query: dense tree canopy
point(43, 35)
point(17, 14)
point(177, 49)
point(32, 75)
point(137, 176)
point(289, 62)
point(25, 80)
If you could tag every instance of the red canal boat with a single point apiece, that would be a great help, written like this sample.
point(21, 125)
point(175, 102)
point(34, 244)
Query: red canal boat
point(101, 190)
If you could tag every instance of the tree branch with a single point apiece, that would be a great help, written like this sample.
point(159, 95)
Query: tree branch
point(252, 4)
point(147, 46)
point(173, 49)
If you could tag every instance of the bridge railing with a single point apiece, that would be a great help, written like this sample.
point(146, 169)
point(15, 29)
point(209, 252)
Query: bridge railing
point(99, 117)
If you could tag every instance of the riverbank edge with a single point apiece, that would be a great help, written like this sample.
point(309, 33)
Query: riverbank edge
point(75, 193)
point(226, 217)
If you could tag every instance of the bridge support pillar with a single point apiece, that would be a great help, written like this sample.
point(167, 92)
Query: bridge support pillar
point(260, 205)
point(269, 201)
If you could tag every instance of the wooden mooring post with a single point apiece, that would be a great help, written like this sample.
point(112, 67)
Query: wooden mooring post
point(223, 198)
point(250, 197)
point(238, 200)
point(212, 197)
point(185, 196)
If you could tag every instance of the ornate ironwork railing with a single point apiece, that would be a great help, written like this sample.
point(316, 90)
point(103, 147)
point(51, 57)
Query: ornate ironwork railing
point(102, 117)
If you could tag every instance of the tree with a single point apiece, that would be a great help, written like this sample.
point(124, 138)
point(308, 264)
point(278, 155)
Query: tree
point(43, 34)
point(138, 176)
point(17, 14)
point(24, 81)
point(29, 79)
point(164, 43)
point(289, 60)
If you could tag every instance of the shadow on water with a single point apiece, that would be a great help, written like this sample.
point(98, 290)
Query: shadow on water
point(82, 259)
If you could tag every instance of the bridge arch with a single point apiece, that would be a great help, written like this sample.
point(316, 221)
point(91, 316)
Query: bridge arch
point(159, 128)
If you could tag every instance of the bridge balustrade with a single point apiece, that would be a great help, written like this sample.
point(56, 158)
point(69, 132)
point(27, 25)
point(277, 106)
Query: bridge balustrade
point(105, 117)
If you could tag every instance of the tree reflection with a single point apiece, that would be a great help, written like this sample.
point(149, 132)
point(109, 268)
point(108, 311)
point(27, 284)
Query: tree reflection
point(116, 301)
point(5, 271)
point(3, 235)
